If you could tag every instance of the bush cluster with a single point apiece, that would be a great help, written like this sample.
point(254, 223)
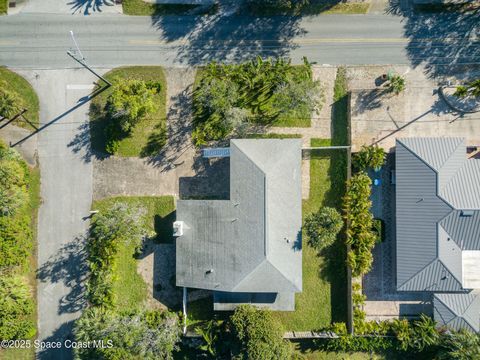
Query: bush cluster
point(229, 99)
point(10, 101)
point(120, 223)
point(16, 301)
point(369, 157)
point(129, 101)
point(323, 227)
point(360, 236)
point(133, 335)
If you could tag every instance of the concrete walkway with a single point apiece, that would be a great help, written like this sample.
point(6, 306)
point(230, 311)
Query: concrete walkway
point(66, 192)
point(74, 7)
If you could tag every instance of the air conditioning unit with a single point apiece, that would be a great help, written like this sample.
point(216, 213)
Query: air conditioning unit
point(178, 228)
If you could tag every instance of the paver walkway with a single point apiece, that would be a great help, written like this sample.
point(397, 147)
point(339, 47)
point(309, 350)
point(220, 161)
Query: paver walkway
point(66, 192)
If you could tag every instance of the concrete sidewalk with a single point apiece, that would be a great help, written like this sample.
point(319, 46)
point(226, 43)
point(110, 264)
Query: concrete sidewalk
point(74, 7)
point(66, 191)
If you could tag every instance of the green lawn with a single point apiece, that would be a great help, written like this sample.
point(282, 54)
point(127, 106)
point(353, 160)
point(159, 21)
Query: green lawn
point(273, 136)
point(315, 7)
point(139, 7)
point(26, 92)
point(29, 271)
point(129, 287)
point(3, 7)
point(149, 135)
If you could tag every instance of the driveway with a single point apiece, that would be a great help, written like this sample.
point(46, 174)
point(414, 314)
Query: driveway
point(66, 192)
point(418, 111)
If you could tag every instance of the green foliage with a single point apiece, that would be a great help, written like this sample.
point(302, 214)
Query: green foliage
point(133, 335)
point(231, 98)
point(462, 345)
point(16, 306)
point(258, 5)
point(13, 181)
point(210, 333)
point(15, 241)
point(10, 101)
point(470, 89)
point(379, 230)
point(323, 227)
point(120, 223)
point(129, 101)
point(360, 236)
point(257, 335)
point(369, 157)
point(396, 84)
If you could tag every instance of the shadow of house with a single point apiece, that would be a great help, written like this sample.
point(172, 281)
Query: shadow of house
point(212, 180)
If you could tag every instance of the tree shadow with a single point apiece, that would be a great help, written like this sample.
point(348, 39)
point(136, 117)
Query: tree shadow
point(88, 6)
point(68, 266)
point(61, 334)
point(166, 146)
point(225, 37)
point(444, 42)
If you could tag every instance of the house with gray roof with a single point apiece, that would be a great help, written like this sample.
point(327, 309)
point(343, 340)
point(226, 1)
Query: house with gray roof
point(247, 249)
point(438, 227)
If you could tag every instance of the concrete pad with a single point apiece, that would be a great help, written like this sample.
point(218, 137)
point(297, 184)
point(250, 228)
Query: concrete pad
point(74, 7)
point(378, 117)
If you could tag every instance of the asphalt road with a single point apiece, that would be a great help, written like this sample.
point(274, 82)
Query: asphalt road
point(41, 40)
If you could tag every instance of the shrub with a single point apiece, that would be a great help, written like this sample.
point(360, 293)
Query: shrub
point(396, 84)
point(257, 335)
point(13, 181)
point(10, 101)
point(360, 236)
point(462, 345)
point(129, 101)
point(470, 89)
point(16, 307)
point(118, 224)
point(134, 335)
point(369, 157)
point(15, 241)
point(379, 230)
point(323, 227)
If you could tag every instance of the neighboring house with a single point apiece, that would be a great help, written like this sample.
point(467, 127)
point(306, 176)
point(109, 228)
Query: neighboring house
point(247, 249)
point(438, 227)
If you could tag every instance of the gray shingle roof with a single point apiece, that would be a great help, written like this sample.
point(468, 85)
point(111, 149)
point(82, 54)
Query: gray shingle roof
point(251, 242)
point(457, 311)
point(434, 182)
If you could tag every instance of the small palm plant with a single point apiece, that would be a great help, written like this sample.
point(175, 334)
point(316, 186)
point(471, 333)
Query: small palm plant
point(396, 84)
point(470, 89)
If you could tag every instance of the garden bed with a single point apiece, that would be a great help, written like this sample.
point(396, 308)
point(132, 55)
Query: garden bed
point(29, 271)
point(27, 95)
point(146, 137)
point(231, 99)
point(129, 287)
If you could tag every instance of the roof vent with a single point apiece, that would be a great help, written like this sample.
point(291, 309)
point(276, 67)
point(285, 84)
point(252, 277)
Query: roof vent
point(178, 228)
point(467, 213)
